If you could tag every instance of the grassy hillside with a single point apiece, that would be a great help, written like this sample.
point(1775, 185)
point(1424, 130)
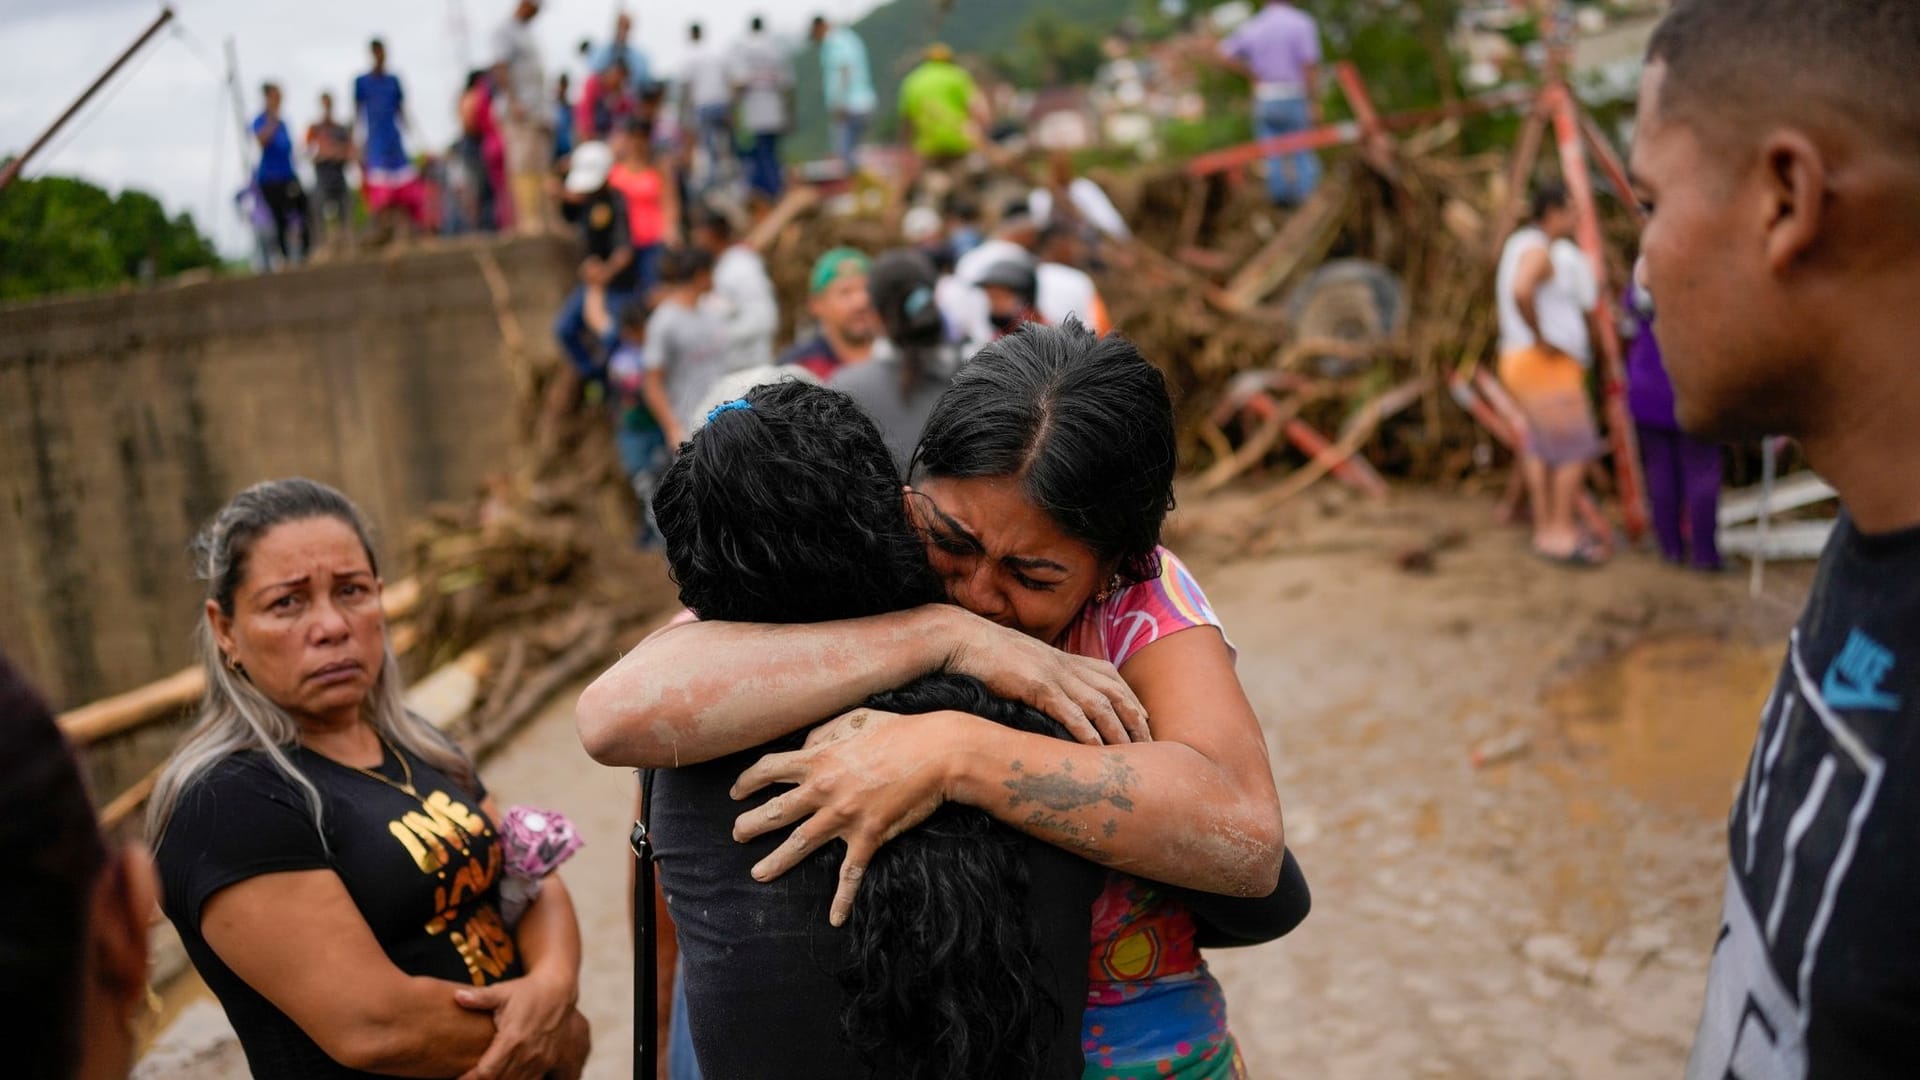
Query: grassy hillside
point(896, 32)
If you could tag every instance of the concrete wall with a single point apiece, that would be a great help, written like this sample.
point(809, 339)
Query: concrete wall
point(126, 421)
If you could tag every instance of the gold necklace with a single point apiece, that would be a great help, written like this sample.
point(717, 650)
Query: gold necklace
point(403, 786)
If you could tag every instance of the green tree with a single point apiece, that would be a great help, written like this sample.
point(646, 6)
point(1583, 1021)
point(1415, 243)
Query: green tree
point(1052, 51)
point(59, 234)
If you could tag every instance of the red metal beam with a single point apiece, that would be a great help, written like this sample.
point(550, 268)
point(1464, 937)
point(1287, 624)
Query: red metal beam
point(1348, 132)
point(1609, 163)
point(1573, 168)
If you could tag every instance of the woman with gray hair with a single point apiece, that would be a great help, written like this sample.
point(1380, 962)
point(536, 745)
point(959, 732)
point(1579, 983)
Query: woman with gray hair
point(332, 862)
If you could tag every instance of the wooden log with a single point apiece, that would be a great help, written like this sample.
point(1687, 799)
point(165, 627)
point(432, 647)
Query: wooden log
point(1358, 431)
point(1348, 469)
point(1251, 452)
point(591, 649)
point(1302, 241)
point(449, 692)
point(124, 805)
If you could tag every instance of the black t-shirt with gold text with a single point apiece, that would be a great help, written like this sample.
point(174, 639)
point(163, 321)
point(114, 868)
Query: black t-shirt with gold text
point(424, 872)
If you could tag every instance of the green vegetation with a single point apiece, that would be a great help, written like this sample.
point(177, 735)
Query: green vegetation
point(1051, 51)
point(60, 235)
point(1400, 45)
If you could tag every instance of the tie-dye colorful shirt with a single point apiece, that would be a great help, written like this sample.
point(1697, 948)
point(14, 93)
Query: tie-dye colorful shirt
point(1153, 1009)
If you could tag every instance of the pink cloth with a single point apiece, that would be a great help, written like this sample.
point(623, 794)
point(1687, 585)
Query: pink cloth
point(534, 843)
point(1152, 1006)
point(1139, 615)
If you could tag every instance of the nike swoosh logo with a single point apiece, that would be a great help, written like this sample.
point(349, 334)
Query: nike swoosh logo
point(1841, 694)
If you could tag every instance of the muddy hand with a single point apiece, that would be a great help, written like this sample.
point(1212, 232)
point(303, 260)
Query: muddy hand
point(1088, 697)
point(864, 786)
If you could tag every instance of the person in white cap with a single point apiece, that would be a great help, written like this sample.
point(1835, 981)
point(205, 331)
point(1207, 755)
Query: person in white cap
point(608, 276)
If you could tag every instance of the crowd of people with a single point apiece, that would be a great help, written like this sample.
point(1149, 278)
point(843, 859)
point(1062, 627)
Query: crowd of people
point(718, 126)
point(663, 329)
point(955, 774)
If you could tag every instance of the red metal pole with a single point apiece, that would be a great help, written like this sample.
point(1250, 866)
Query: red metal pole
point(1574, 169)
point(1347, 132)
point(1609, 163)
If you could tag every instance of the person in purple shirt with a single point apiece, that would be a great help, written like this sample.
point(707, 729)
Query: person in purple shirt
point(1278, 51)
point(1683, 473)
point(279, 185)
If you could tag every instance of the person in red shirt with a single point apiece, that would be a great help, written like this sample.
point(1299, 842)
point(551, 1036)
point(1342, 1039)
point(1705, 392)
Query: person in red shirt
point(607, 102)
point(330, 145)
point(652, 194)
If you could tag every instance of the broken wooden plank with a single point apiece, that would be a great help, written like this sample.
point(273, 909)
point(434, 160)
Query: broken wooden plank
point(1800, 489)
point(1347, 468)
point(1783, 540)
point(1302, 241)
point(1251, 452)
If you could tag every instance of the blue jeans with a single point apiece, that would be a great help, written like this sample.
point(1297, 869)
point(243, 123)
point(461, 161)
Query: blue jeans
point(1290, 177)
point(570, 327)
point(646, 264)
point(847, 133)
point(763, 164)
point(681, 1062)
point(716, 138)
point(643, 457)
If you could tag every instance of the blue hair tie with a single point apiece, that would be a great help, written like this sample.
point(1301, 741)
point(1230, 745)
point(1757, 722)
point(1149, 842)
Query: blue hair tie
point(728, 406)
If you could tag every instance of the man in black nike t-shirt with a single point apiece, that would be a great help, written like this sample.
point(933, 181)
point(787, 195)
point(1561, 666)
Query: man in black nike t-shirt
point(1778, 150)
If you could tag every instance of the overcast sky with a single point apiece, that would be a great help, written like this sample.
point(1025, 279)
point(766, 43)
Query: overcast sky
point(166, 125)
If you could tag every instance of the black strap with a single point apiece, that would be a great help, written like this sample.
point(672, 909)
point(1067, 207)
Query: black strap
point(646, 973)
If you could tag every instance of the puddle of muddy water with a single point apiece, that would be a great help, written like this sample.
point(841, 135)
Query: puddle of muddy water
point(1670, 719)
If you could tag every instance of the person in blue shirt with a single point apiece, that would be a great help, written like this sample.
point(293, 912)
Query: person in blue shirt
point(563, 118)
point(639, 72)
point(387, 173)
point(278, 183)
point(848, 79)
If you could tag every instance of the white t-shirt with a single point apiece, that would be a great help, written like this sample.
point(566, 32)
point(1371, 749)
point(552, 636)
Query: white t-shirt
point(743, 298)
point(1060, 291)
point(1087, 197)
point(706, 75)
point(1557, 302)
point(763, 72)
point(1065, 291)
point(515, 47)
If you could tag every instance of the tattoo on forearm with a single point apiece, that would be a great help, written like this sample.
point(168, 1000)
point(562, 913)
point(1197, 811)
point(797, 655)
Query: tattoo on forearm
point(1066, 833)
point(1063, 790)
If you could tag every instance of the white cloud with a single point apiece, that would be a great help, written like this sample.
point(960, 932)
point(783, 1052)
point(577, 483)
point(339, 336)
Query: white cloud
point(165, 125)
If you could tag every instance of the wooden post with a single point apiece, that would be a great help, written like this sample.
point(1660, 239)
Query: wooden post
point(12, 171)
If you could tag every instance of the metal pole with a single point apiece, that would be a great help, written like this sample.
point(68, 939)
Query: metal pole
point(247, 145)
point(1579, 181)
point(12, 171)
point(1756, 584)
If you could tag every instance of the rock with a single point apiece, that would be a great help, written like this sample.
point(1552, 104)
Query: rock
point(1558, 955)
point(198, 1045)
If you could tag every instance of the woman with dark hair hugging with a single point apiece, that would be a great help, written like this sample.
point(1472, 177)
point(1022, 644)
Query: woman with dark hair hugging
point(968, 959)
point(1039, 489)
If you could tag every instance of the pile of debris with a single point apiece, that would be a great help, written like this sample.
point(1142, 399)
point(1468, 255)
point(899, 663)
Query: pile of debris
point(1343, 316)
point(535, 582)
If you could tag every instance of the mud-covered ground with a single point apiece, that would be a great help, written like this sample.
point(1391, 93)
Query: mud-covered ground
point(1546, 915)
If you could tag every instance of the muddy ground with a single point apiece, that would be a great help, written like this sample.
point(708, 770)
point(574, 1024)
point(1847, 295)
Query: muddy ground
point(1547, 915)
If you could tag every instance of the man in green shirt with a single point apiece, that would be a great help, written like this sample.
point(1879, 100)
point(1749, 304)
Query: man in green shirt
point(942, 109)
